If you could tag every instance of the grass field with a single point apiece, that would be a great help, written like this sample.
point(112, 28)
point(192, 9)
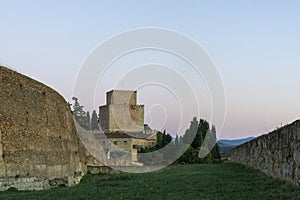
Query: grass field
point(214, 181)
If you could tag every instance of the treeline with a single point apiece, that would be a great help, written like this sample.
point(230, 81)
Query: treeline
point(185, 149)
point(201, 138)
point(83, 118)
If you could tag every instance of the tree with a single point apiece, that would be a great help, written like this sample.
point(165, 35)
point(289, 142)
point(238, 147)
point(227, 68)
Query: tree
point(203, 127)
point(166, 155)
point(216, 154)
point(159, 137)
point(189, 156)
point(94, 121)
point(198, 140)
point(191, 132)
point(207, 159)
point(176, 139)
point(180, 139)
point(88, 120)
point(195, 135)
point(166, 139)
point(80, 115)
point(77, 110)
point(163, 139)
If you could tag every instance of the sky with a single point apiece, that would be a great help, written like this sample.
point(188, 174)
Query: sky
point(255, 46)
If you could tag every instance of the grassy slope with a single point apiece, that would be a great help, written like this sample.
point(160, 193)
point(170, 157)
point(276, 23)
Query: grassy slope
point(218, 181)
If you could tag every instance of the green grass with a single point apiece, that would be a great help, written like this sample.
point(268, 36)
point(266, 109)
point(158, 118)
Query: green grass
point(214, 181)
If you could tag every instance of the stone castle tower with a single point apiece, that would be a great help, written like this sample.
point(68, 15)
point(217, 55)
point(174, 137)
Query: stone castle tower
point(121, 113)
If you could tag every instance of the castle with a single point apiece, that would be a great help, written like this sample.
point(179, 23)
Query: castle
point(122, 122)
point(121, 112)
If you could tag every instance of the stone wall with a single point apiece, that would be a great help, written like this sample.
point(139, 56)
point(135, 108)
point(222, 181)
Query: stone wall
point(121, 97)
point(39, 146)
point(104, 118)
point(127, 118)
point(95, 154)
point(121, 113)
point(277, 153)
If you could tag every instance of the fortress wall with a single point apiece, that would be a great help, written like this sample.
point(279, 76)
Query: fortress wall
point(128, 118)
point(121, 113)
point(39, 146)
point(276, 154)
point(104, 118)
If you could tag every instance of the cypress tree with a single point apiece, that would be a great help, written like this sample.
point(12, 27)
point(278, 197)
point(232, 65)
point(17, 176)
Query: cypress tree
point(94, 121)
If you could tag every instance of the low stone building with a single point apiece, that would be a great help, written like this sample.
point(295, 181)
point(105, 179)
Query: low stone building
point(122, 148)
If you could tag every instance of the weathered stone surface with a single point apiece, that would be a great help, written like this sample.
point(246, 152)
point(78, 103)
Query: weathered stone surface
point(277, 153)
point(39, 146)
point(95, 154)
point(101, 170)
point(121, 112)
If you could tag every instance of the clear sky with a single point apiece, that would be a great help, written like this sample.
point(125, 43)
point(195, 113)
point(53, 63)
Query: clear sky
point(254, 44)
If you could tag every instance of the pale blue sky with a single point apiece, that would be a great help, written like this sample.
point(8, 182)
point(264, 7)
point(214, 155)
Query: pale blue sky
point(255, 45)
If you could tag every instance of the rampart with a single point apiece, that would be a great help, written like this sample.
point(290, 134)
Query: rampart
point(276, 154)
point(39, 146)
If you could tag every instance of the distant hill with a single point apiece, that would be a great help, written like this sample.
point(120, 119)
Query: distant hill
point(236, 142)
point(227, 145)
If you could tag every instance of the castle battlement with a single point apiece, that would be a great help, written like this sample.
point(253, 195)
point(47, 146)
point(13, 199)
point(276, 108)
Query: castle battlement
point(125, 106)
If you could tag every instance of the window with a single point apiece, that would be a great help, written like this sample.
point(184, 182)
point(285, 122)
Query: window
point(115, 142)
point(125, 142)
